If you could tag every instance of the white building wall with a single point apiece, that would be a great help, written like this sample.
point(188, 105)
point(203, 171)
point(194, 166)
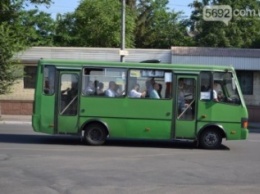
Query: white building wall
point(94, 54)
point(240, 63)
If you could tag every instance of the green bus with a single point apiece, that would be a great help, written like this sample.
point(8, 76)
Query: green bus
point(101, 100)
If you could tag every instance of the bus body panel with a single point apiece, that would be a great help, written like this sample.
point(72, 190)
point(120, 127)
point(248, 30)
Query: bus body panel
point(233, 131)
point(139, 118)
point(43, 117)
point(48, 114)
point(220, 112)
point(227, 115)
point(133, 128)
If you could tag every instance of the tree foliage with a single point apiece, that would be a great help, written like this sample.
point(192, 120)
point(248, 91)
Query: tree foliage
point(95, 23)
point(14, 38)
point(158, 27)
point(40, 27)
point(241, 32)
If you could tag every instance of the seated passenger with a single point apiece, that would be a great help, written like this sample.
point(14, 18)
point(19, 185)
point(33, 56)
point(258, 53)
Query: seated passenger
point(149, 86)
point(154, 94)
point(221, 96)
point(111, 91)
point(159, 90)
point(90, 89)
point(134, 93)
point(215, 93)
point(100, 88)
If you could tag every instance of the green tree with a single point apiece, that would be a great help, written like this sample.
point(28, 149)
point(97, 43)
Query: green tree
point(66, 33)
point(241, 32)
point(13, 39)
point(95, 23)
point(40, 27)
point(158, 27)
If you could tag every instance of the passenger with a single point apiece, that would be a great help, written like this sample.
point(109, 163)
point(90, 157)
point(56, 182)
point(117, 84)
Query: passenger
point(215, 93)
point(205, 88)
point(90, 88)
point(134, 93)
point(100, 89)
point(154, 94)
point(221, 96)
point(181, 98)
point(159, 90)
point(111, 91)
point(149, 86)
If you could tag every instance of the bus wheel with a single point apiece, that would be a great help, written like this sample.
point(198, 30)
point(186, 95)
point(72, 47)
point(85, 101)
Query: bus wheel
point(210, 139)
point(95, 134)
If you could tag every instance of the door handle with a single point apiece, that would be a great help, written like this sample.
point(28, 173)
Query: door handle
point(168, 114)
point(82, 110)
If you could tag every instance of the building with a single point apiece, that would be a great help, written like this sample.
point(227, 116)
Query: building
point(245, 61)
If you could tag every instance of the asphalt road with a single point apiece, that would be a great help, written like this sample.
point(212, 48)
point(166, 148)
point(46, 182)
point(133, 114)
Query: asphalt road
point(43, 164)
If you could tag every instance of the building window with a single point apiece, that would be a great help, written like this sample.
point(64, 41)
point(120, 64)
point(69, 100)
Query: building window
point(29, 79)
point(246, 79)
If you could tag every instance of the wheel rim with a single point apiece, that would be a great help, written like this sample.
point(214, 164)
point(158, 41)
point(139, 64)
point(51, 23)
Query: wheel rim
point(211, 139)
point(95, 134)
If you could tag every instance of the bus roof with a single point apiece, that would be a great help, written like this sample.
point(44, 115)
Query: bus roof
point(84, 63)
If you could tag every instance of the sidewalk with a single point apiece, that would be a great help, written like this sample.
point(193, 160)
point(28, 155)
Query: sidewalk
point(16, 119)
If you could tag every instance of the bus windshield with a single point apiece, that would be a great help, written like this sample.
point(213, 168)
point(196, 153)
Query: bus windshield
point(226, 88)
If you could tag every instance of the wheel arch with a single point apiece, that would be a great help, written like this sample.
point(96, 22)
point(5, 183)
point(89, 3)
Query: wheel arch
point(96, 121)
point(212, 126)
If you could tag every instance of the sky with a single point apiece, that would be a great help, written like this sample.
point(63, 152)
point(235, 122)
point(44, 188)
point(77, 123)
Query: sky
point(64, 6)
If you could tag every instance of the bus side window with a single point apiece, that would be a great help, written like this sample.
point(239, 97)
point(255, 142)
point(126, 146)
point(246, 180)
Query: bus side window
point(149, 83)
point(48, 80)
point(205, 85)
point(104, 82)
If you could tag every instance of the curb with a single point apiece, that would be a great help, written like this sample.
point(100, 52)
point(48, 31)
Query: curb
point(16, 122)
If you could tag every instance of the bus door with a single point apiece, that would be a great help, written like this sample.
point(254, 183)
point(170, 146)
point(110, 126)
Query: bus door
point(68, 102)
point(185, 106)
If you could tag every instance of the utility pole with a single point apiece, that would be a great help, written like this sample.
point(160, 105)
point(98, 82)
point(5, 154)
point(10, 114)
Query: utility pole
point(122, 54)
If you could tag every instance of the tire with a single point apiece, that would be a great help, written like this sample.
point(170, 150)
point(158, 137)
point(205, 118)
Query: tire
point(95, 134)
point(210, 139)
